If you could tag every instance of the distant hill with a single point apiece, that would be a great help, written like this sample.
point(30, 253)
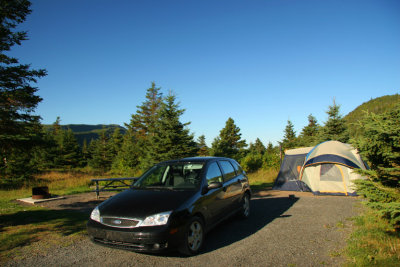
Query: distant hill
point(377, 105)
point(89, 132)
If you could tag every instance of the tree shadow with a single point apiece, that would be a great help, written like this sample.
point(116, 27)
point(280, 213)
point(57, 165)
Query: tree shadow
point(65, 222)
point(83, 206)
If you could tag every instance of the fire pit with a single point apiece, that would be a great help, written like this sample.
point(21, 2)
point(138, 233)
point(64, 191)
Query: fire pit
point(41, 192)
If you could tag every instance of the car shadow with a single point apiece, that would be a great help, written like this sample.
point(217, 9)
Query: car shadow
point(263, 211)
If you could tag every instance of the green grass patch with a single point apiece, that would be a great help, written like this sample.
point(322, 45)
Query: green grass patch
point(262, 179)
point(373, 242)
point(21, 226)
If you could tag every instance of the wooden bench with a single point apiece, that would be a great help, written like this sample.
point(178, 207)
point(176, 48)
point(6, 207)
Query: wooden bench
point(112, 184)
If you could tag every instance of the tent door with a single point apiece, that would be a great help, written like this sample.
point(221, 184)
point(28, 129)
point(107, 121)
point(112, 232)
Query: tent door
point(332, 179)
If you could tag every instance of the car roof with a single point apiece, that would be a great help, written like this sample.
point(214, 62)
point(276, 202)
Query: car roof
point(195, 159)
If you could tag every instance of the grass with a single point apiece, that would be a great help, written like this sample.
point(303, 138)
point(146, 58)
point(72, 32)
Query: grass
point(66, 183)
point(373, 242)
point(22, 226)
point(262, 179)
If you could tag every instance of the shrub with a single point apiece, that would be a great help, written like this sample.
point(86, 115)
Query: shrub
point(252, 162)
point(385, 201)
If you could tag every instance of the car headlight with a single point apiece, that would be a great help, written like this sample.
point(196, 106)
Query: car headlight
point(95, 215)
point(156, 219)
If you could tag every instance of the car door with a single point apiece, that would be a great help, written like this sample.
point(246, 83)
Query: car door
point(232, 186)
point(213, 200)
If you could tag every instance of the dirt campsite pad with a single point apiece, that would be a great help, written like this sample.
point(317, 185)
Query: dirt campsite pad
point(283, 230)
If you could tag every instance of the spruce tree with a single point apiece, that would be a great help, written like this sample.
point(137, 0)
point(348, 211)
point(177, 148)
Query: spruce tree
point(143, 122)
point(129, 156)
point(140, 129)
point(335, 127)
point(229, 143)
point(101, 156)
point(116, 141)
point(71, 156)
point(289, 139)
point(257, 148)
point(171, 139)
point(19, 127)
point(379, 143)
point(309, 134)
point(203, 149)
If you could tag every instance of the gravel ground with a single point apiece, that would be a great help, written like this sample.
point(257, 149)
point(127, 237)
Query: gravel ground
point(303, 231)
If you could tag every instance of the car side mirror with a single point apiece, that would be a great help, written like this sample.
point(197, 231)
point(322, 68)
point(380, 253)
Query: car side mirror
point(212, 185)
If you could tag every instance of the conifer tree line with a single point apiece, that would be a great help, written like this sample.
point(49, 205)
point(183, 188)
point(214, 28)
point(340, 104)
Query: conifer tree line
point(155, 131)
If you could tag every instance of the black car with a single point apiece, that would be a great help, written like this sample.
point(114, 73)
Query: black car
point(172, 205)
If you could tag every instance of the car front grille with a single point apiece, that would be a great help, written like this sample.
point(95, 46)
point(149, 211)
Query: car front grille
point(120, 222)
point(130, 246)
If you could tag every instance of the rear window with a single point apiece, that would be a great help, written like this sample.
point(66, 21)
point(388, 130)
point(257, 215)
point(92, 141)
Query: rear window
point(227, 168)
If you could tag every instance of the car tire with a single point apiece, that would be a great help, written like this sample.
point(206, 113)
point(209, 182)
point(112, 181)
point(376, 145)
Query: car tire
point(245, 210)
point(193, 237)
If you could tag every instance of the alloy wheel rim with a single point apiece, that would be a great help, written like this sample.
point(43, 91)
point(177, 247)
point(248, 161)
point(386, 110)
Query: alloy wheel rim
point(195, 236)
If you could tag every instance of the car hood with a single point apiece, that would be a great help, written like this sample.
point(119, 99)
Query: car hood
point(139, 203)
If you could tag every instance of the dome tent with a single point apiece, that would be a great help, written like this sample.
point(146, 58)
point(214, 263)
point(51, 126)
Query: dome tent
point(288, 176)
point(328, 169)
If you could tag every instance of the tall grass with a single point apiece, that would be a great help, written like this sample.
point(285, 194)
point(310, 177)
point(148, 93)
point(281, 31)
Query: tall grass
point(263, 178)
point(58, 182)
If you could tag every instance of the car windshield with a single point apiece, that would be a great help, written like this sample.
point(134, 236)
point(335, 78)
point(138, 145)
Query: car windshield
point(183, 176)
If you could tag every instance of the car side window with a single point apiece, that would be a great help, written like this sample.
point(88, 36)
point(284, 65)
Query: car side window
point(213, 173)
point(237, 167)
point(227, 168)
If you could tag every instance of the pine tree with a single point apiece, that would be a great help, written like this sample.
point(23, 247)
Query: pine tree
point(289, 139)
point(129, 156)
point(68, 150)
point(203, 149)
point(116, 141)
point(85, 153)
point(229, 143)
point(19, 127)
point(140, 129)
point(101, 153)
point(309, 134)
point(335, 127)
point(172, 139)
point(147, 115)
point(257, 148)
point(379, 143)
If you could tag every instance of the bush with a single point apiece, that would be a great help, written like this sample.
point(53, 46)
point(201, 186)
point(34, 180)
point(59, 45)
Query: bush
point(271, 160)
point(386, 201)
point(252, 162)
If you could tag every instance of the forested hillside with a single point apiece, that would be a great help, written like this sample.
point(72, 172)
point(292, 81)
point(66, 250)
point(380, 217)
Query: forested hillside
point(89, 132)
point(377, 105)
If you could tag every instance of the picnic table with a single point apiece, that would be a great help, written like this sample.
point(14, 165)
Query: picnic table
point(112, 184)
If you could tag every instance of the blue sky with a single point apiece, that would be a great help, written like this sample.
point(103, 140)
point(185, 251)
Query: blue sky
point(260, 62)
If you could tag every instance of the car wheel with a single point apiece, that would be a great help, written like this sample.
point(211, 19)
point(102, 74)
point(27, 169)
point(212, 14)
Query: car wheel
point(193, 237)
point(245, 213)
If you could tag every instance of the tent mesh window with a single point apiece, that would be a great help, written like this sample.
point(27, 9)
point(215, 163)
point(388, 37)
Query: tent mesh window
point(330, 172)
